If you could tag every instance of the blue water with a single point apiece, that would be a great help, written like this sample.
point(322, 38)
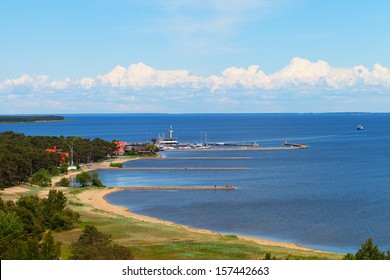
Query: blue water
point(332, 196)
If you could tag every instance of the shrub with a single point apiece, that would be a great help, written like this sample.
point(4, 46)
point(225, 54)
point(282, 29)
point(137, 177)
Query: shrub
point(64, 182)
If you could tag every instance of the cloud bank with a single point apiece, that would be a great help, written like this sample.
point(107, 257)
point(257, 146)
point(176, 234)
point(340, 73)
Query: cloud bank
point(142, 88)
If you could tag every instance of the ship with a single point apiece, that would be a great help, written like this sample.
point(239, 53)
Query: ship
point(166, 142)
point(360, 127)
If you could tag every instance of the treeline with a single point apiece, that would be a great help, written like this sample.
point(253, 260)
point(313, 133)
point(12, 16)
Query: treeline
point(26, 231)
point(30, 118)
point(21, 156)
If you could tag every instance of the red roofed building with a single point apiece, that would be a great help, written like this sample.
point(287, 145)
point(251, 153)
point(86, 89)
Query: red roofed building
point(64, 155)
point(120, 148)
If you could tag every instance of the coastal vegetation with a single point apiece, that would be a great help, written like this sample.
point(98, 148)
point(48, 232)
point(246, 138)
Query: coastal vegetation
point(26, 226)
point(369, 251)
point(116, 164)
point(27, 229)
point(95, 245)
point(89, 179)
point(23, 157)
point(16, 119)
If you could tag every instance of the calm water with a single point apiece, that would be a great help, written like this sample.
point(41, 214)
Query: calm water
point(331, 196)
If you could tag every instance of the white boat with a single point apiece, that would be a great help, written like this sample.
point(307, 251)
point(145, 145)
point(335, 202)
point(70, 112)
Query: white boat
point(360, 127)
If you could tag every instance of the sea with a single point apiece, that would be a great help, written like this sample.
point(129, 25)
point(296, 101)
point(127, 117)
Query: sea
point(332, 196)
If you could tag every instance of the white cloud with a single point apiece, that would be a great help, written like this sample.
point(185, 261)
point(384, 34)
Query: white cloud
point(140, 76)
point(141, 86)
point(298, 74)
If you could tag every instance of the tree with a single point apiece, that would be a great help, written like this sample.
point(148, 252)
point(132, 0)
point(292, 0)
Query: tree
point(64, 168)
point(41, 178)
point(83, 179)
point(95, 245)
point(50, 249)
point(54, 171)
point(12, 245)
point(95, 180)
point(152, 148)
point(24, 225)
point(64, 182)
point(132, 152)
point(56, 216)
point(21, 156)
point(368, 251)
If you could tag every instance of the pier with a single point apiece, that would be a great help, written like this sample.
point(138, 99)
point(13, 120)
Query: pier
point(235, 144)
point(296, 146)
point(174, 168)
point(177, 188)
point(209, 158)
point(286, 147)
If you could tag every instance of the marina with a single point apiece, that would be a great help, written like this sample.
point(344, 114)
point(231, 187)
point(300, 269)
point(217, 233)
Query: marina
point(172, 143)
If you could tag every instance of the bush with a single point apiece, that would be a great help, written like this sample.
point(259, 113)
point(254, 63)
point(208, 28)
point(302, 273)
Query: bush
point(84, 179)
point(41, 178)
point(64, 182)
point(116, 164)
point(94, 245)
point(133, 152)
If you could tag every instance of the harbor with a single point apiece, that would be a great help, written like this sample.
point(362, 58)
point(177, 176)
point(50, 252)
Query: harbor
point(171, 143)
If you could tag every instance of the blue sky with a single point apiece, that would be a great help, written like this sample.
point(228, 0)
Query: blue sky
point(194, 56)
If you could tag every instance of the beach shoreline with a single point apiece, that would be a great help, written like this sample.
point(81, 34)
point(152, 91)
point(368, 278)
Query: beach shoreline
point(97, 198)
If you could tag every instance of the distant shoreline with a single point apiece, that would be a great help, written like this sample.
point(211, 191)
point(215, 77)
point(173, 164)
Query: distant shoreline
point(30, 119)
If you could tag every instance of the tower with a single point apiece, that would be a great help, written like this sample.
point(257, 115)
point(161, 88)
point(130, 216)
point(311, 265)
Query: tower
point(170, 132)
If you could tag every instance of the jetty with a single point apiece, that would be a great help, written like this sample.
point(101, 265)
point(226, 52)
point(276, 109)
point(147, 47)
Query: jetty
point(174, 168)
point(209, 158)
point(235, 144)
point(286, 147)
point(296, 146)
point(177, 188)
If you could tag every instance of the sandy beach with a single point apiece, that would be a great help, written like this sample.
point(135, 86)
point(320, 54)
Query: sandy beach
point(96, 199)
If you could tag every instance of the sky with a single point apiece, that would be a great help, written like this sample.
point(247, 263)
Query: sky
point(194, 56)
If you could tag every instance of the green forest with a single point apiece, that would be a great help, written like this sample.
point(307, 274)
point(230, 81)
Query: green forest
point(12, 119)
point(22, 156)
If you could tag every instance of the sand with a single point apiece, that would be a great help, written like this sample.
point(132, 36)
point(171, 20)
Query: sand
point(96, 198)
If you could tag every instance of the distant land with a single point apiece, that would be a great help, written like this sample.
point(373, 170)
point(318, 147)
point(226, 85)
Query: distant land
point(18, 119)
